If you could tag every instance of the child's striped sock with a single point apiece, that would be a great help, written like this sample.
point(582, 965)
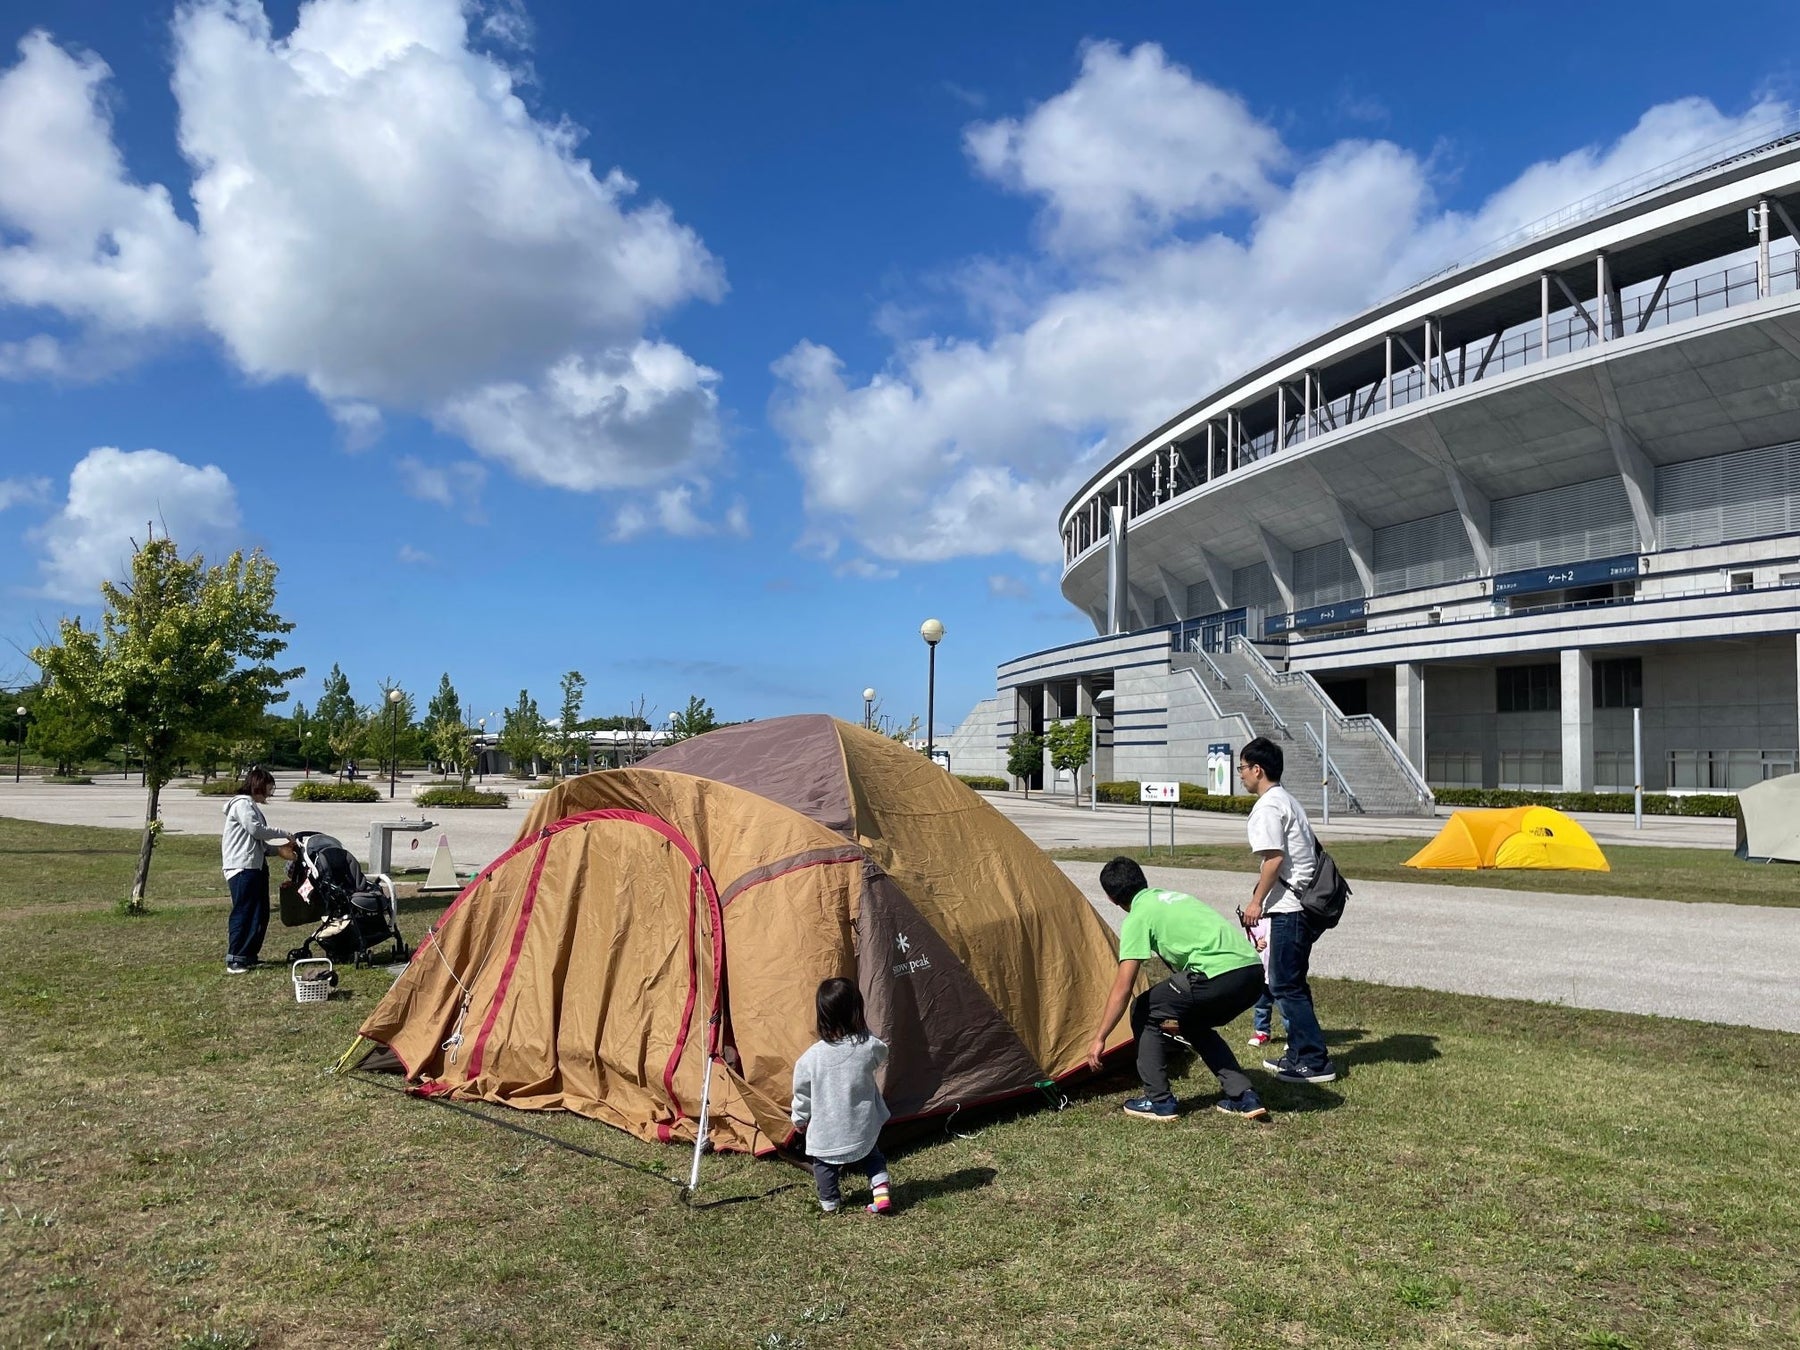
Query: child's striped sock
point(883, 1203)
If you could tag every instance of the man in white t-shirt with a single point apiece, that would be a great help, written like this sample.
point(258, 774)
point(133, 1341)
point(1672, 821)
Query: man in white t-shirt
point(1282, 837)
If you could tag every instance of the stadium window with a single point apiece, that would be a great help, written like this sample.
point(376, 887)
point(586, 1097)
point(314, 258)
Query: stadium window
point(1528, 689)
point(1743, 581)
point(1619, 683)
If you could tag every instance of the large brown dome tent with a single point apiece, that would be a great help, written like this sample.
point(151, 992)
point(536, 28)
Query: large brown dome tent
point(654, 921)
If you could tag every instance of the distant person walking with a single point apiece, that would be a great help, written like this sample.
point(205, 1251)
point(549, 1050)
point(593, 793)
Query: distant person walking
point(243, 849)
point(1282, 837)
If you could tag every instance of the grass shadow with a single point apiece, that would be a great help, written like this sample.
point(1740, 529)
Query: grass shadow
point(917, 1190)
point(1400, 1048)
point(1296, 1099)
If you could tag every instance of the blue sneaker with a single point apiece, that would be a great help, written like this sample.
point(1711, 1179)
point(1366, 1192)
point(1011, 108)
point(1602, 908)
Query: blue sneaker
point(1247, 1107)
point(1151, 1108)
point(1288, 1071)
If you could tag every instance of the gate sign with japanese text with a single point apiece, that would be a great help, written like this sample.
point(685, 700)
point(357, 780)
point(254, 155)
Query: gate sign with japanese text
point(1159, 792)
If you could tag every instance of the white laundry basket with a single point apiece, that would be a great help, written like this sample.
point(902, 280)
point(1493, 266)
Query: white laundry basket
point(316, 985)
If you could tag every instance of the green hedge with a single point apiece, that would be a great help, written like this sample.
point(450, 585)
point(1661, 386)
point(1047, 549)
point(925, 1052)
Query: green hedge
point(1614, 803)
point(71, 780)
point(218, 787)
point(982, 782)
point(314, 791)
point(455, 796)
point(1193, 798)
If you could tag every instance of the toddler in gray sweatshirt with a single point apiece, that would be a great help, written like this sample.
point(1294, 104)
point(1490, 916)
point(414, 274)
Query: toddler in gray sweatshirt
point(837, 1101)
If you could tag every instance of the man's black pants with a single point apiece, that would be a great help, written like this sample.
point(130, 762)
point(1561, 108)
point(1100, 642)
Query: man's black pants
point(1198, 1004)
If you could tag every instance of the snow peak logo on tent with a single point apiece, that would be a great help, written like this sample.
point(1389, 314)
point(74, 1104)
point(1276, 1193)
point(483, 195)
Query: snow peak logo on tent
point(903, 945)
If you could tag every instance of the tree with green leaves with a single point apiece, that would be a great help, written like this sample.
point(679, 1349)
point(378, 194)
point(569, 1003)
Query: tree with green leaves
point(568, 733)
point(336, 720)
point(453, 744)
point(1070, 745)
point(445, 706)
point(1025, 757)
point(696, 719)
point(521, 737)
point(57, 734)
point(184, 651)
point(446, 735)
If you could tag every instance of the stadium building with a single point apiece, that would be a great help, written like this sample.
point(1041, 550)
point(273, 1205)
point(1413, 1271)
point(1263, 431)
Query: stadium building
point(1463, 538)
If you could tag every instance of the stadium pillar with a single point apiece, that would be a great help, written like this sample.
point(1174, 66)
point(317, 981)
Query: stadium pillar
point(1577, 720)
point(1409, 712)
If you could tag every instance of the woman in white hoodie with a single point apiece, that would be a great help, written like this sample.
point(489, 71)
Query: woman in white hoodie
point(243, 850)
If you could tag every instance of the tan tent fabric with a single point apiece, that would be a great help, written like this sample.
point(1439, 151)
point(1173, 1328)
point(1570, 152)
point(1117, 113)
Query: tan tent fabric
point(583, 969)
point(1769, 820)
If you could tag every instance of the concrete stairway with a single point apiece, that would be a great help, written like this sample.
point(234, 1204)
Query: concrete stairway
point(1368, 773)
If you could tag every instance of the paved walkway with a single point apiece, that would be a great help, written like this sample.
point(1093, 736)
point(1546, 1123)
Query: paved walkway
point(1712, 963)
point(1724, 963)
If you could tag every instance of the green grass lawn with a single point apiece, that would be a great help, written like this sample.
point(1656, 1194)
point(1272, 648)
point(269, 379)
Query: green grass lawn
point(177, 1168)
point(1708, 874)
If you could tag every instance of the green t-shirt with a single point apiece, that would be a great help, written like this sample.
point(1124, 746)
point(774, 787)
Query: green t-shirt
point(1186, 933)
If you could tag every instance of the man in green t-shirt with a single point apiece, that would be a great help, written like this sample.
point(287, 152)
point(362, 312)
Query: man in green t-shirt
point(1217, 977)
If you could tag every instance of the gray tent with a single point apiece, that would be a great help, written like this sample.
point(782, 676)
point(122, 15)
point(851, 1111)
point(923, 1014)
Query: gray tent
point(1769, 820)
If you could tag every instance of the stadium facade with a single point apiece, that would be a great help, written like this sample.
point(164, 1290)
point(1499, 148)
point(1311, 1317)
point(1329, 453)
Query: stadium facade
point(1465, 537)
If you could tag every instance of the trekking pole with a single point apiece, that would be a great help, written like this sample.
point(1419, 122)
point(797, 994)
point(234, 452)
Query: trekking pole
point(700, 1133)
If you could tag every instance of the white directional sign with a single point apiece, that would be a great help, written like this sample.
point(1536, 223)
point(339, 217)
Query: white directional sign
point(1159, 792)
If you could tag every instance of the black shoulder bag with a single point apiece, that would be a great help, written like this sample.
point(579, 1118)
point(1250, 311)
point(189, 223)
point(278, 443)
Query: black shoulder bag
point(1323, 897)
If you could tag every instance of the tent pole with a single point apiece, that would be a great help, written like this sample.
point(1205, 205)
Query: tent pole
point(700, 1133)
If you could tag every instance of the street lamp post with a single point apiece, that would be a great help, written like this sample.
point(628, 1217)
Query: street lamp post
point(1094, 748)
point(394, 731)
point(19, 749)
point(933, 633)
point(868, 710)
point(480, 751)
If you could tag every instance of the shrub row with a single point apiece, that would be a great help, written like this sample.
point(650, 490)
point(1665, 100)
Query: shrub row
point(456, 796)
point(1617, 803)
point(70, 780)
point(218, 787)
point(1193, 798)
point(314, 791)
point(982, 782)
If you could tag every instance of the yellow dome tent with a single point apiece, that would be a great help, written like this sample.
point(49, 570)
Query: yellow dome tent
point(1516, 836)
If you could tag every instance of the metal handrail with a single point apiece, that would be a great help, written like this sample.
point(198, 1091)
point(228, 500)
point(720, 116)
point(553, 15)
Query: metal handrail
point(1360, 722)
point(1213, 666)
point(1331, 767)
point(1268, 707)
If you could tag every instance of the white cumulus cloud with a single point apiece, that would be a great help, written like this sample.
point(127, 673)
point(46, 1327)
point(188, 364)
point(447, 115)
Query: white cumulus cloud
point(381, 216)
point(1182, 242)
point(1133, 146)
point(117, 498)
point(78, 238)
point(678, 511)
point(22, 491)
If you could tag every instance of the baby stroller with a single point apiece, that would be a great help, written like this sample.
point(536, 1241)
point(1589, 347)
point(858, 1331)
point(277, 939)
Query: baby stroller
point(353, 914)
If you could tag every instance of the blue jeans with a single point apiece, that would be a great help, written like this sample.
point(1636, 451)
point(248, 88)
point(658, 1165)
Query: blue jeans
point(1262, 1016)
point(825, 1175)
point(1291, 938)
point(249, 916)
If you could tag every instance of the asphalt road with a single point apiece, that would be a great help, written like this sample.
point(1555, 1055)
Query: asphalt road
point(1733, 964)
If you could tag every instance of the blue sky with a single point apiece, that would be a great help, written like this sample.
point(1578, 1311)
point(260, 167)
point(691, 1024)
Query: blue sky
point(372, 279)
